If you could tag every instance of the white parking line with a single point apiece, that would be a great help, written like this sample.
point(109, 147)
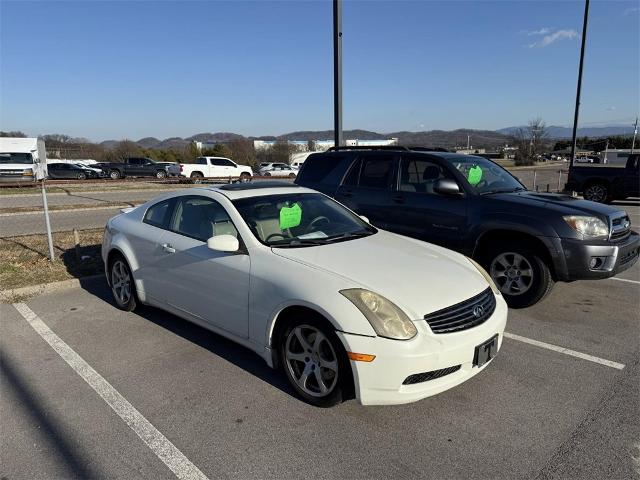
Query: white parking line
point(566, 351)
point(156, 441)
point(625, 280)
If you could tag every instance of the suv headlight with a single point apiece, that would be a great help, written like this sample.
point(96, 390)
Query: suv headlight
point(486, 276)
point(386, 318)
point(590, 227)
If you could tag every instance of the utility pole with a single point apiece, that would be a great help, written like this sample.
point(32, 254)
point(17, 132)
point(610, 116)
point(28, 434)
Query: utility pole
point(337, 73)
point(577, 111)
point(468, 141)
point(635, 132)
point(606, 151)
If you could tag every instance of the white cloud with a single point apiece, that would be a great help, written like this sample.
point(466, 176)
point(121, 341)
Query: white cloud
point(542, 31)
point(629, 11)
point(554, 37)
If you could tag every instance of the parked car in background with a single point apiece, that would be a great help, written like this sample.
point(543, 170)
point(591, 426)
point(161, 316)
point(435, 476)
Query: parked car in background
point(70, 171)
point(139, 167)
point(98, 171)
point(215, 167)
point(606, 183)
point(311, 287)
point(278, 170)
point(525, 240)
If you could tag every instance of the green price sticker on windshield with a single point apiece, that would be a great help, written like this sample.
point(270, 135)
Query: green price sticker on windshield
point(475, 175)
point(290, 216)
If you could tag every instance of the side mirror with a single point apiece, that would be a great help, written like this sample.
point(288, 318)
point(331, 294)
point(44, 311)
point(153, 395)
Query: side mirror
point(446, 186)
point(364, 218)
point(224, 243)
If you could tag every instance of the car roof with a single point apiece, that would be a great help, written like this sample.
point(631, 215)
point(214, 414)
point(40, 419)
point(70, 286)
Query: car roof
point(234, 191)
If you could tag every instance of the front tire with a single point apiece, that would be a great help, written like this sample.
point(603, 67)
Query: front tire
point(115, 174)
point(82, 176)
point(123, 287)
point(596, 192)
point(520, 272)
point(314, 362)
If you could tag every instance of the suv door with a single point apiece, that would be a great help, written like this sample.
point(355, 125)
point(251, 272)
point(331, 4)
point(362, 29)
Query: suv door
point(423, 213)
point(211, 286)
point(367, 188)
point(632, 177)
point(133, 166)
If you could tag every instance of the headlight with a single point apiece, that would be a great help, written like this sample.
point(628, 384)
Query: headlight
point(386, 318)
point(27, 172)
point(587, 226)
point(486, 276)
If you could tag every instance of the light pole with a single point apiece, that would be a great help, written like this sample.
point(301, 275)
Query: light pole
point(635, 132)
point(337, 73)
point(577, 111)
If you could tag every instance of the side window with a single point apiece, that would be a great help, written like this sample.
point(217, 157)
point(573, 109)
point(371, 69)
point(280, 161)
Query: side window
point(351, 179)
point(217, 162)
point(318, 167)
point(227, 163)
point(377, 171)
point(420, 175)
point(158, 214)
point(201, 218)
point(201, 161)
point(134, 161)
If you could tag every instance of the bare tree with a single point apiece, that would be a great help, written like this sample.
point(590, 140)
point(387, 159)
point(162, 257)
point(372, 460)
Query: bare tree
point(242, 152)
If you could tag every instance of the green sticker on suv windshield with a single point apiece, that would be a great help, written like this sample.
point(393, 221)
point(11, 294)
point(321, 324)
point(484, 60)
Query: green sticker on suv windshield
point(475, 175)
point(290, 216)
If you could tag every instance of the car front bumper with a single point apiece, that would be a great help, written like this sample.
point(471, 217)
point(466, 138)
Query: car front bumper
point(611, 258)
point(380, 382)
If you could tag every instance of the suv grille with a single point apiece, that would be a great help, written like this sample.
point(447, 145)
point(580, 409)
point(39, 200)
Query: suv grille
point(463, 315)
point(426, 376)
point(620, 228)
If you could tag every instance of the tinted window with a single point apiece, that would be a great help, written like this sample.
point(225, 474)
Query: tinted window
point(201, 218)
point(222, 162)
point(135, 161)
point(377, 171)
point(201, 161)
point(317, 167)
point(419, 175)
point(354, 172)
point(24, 158)
point(158, 214)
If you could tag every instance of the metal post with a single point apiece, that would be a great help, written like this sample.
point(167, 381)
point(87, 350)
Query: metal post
point(635, 132)
point(45, 206)
point(559, 179)
point(534, 178)
point(337, 73)
point(577, 111)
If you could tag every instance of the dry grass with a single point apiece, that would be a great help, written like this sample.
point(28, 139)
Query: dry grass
point(24, 259)
point(75, 206)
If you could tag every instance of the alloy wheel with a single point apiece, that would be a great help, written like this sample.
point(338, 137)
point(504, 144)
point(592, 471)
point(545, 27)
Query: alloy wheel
point(595, 193)
point(512, 273)
point(311, 361)
point(121, 282)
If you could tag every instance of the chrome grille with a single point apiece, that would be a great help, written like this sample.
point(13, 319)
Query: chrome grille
point(463, 315)
point(620, 228)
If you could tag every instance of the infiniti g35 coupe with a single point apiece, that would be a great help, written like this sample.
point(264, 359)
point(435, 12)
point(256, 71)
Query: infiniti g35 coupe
point(343, 308)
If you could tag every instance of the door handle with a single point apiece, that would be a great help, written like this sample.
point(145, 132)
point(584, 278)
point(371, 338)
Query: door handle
point(398, 198)
point(168, 248)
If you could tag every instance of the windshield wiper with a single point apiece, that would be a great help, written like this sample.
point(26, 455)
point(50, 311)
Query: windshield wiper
point(350, 235)
point(504, 190)
point(300, 242)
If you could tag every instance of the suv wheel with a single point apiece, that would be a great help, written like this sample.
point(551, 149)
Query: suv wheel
point(596, 192)
point(520, 273)
point(314, 362)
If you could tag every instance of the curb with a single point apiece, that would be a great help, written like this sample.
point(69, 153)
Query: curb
point(33, 290)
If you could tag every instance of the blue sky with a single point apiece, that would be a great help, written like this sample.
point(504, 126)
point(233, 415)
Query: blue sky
point(156, 68)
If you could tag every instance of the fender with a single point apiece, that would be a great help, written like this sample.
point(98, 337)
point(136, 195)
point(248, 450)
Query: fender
point(512, 222)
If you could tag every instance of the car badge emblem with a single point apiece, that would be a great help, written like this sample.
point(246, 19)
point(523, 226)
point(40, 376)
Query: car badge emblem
point(478, 311)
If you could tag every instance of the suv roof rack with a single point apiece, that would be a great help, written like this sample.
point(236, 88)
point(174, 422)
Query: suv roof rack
point(367, 147)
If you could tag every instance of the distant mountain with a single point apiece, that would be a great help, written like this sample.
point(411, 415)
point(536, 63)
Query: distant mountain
point(566, 132)
point(214, 137)
point(149, 142)
point(328, 134)
point(451, 138)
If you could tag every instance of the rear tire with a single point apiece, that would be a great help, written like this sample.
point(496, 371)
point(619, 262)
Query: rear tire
point(115, 175)
point(597, 192)
point(267, 174)
point(123, 287)
point(520, 272)
point(161, 174)
point(314, 362)
point(81, 176)
point(244, 176)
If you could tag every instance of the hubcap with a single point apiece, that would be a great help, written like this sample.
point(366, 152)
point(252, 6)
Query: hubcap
point(311, 360)
point(120, 282)
point(512, 273)
point(595, 193)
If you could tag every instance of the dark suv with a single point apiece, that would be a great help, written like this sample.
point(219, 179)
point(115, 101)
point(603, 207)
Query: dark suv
point(525, 240)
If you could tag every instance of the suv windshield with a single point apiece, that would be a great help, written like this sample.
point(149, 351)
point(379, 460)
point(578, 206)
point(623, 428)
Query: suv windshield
point(300, 220)
point(484, 176)
point(24, 158)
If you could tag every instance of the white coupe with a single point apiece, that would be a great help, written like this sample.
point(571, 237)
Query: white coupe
point(343, 308)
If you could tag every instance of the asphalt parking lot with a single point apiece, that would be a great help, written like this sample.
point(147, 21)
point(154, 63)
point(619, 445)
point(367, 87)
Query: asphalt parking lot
point(162, 394)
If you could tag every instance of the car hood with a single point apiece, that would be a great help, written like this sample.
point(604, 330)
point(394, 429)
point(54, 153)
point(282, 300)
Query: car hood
point(418, 277)
point(564, 204)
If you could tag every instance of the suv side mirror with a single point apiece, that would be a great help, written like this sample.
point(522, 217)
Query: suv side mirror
point(446, 186)
point(224, 243)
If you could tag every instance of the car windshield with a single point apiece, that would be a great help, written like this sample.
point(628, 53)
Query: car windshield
point(24, 158)
point(300, 220)
point(484, 176)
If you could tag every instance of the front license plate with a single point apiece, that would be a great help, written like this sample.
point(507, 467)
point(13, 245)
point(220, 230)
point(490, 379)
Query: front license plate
point(485, 351)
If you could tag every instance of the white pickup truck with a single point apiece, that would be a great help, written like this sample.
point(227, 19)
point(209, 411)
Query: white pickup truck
point(215, 167)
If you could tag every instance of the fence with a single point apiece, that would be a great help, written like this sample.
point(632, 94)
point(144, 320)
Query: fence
point(543, 179)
